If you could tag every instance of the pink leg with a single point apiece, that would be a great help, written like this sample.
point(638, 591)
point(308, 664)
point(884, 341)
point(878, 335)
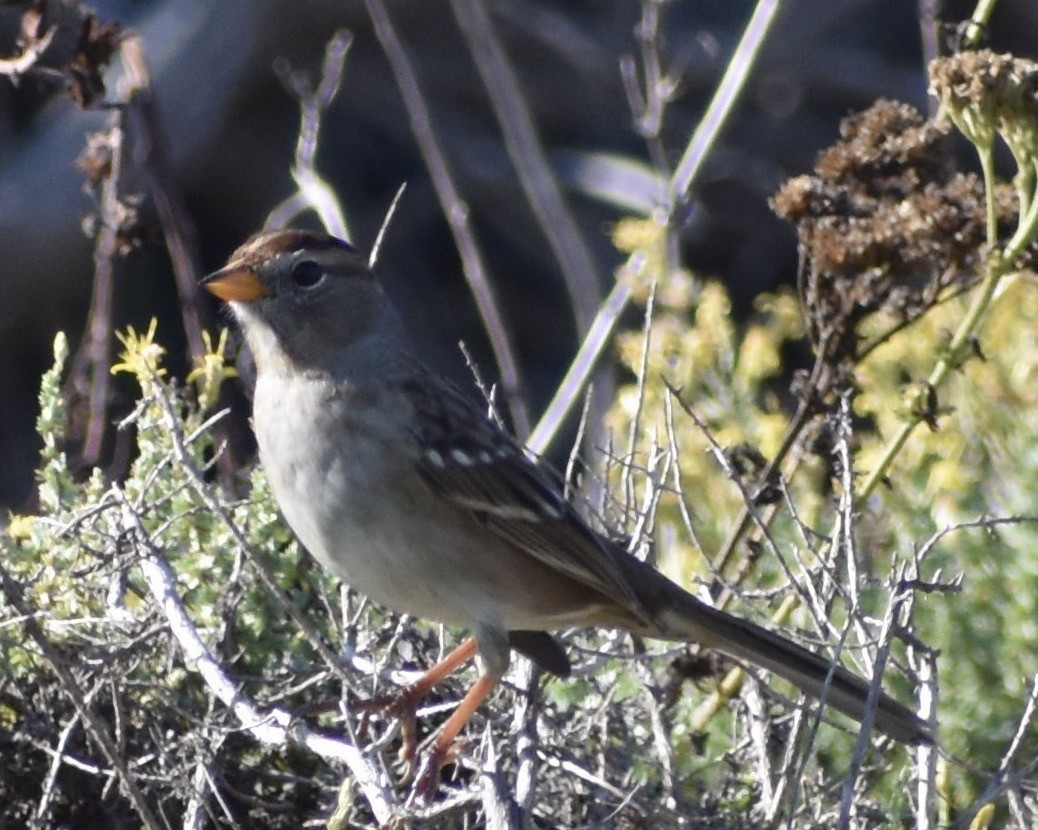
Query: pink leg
point(405, 704)
point(441, 750)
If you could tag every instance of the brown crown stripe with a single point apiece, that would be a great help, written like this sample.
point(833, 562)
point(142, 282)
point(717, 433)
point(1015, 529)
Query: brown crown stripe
point(265, 246)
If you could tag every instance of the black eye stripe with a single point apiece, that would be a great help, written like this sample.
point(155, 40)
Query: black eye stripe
point(307, 273)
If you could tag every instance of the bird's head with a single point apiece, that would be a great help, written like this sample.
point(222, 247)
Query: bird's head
point(300, 296)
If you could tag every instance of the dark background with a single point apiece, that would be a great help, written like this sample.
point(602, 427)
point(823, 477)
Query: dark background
point(231, 129)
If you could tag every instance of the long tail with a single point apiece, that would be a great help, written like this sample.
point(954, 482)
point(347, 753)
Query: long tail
point(683, 617)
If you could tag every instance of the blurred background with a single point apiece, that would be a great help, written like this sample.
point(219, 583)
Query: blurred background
point(229, 128)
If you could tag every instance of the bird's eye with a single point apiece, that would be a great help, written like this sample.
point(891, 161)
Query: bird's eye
point(307, 274)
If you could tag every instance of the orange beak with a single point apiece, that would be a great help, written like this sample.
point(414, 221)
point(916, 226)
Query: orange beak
point(237, 283)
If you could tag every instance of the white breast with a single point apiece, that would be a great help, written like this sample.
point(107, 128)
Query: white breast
point(338, 481)
point(348, 487)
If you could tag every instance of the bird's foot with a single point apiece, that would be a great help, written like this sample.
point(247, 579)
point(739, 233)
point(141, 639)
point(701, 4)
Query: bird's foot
point(402, 706)
point(427, 773)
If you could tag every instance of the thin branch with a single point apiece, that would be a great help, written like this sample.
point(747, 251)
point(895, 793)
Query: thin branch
point(641, 378)
point(177, 226)
point(376, 246)
point(1002, 781)
point(848, 802)
point(728, 91)
point(313, 192)
point(499, 810)
point(95, 353)
point(276, 727)
point(580, 369)
point(524, 148)
point(47, 794)
point(804, 412)
point(821, 622)
point(648, 106)
point(456, 210)
point(524, 726)
point(927, 792)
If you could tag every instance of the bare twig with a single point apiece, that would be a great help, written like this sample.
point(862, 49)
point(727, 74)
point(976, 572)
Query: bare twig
point(848, 802)
point(982, 522)
point(47, 794)
point(820, 620)
point(274, 728)
point(94, 356)
point(739, 67)
point(376, 246)
point(177, 227)
point(527, 154)
point(664, 753)
point(569, 476)
point(790, 777)
point(641, 378)
point(499, 809)
point(926, 756)
point(456, 210)
point(195, 810)
point(524, 726)
point(801, 418)
point(679, 488)
point(581, 367)
point(648, 102)
point(313, 192)
point(1002, 780)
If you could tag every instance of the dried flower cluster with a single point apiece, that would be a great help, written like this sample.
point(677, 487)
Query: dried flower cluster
point(985, 93)
point(885, 224)
point(66, 44)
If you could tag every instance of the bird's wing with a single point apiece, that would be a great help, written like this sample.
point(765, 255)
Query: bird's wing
point(471, 462)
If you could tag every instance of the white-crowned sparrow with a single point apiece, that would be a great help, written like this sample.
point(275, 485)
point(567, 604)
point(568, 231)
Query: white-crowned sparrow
point(404, 488)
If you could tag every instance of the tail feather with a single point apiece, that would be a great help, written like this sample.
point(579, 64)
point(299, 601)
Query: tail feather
point(683, 617)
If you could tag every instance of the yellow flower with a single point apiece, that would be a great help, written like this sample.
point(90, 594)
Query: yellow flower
point(713, 321)
point(141, 355)
point(211, 369)
point(758, 358)
point(784, 316)
point(636, 234)
point(20, 527)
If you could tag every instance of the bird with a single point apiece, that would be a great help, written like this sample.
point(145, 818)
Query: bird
point(402, 486)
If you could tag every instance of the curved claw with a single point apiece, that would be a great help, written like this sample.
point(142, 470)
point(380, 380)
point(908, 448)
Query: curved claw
point(403, 706)
point(427, 774)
